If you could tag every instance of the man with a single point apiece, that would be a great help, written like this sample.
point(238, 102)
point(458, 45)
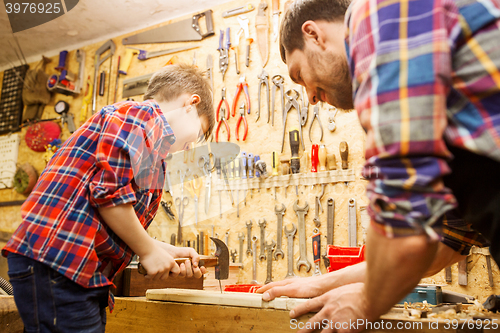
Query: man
point(424, 79)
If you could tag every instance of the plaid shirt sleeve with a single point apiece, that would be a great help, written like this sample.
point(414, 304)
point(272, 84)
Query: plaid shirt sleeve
point(401, 57)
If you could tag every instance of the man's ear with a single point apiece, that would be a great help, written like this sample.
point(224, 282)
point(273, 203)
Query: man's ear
point(312, 33)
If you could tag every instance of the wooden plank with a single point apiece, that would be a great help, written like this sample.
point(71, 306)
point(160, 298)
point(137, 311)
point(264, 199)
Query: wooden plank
point(225, 299)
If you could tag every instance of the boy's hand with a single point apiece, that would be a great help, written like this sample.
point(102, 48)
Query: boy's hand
point(159, 264)
point(190, 267)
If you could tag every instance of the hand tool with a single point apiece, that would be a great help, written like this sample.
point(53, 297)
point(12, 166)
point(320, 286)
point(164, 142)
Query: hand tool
point(87, 99)
point(243, 160)
point(353, 237)
point(207, 170)
point(194, 189)
point(242, 85)
point(330, 220)
point(102, 83)
point(294, 148)
point(292, 102)
point(490, 273)
point(220, 261)
point(181, 203)
point(223, 112)
point(227, 238)
point(262, 30)
point(98, 61)
point(260, 167)
point(124, 65)
point(263, 80)
point(233, 255)
point(236, 49)
point(289, 236)
point(304, 110)
point(462, 272)
point(269, 250)
point(238, 10)
point(301, 213)
point(332, 111)
point(241, 238)
point(275, 169)
point(322, 158)
point(279, 215)
point(62, 108)
point(344, 155)
point(276, 19)
point(317, 205)
point(172, 239)
point(447, 271)
point(250, 167)
point(167, 207)
point(224, 172)
point(278, 81)
point(237, 176)
point(243, 21)
point(492, 303)
point(262, 226)
point(254, 260)
point(210, 72)
point(145, 55)
point(316, 243)
point(136, 85)
point(116, 81)
point(316, 117)
point(182, 31)
point(332, 162)
point(224, 51)
point(219, 179)
point(245, 124)
point(249, 237)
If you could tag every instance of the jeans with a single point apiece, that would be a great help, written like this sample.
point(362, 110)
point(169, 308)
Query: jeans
point(47, 301)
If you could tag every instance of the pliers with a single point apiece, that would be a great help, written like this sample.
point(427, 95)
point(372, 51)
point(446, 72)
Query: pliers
point(264, 80)
point(224, 51)
point(221, 112)
point(242, 116)
point(316, 116)
point(242, 85)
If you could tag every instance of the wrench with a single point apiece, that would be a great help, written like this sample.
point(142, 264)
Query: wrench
point(289, 236)
point(241, 238)
point(353, 239)
point(279, 214)
point(249, 238)
point(278, 81)
point(330, 219)
point(227, 238)
point(269, 249)
point(262, 226)
point(316, 219)
point(233, 255)
point(254, 247)
point(301, 213)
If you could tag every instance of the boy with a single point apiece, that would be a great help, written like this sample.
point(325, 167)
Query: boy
point(88, 213)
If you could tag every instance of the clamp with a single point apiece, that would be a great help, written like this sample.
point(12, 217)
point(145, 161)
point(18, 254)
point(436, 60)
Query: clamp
point(224, 51)
point(222, 116)
point(242, 85)
point(278, 81)
point(316, 116)
point(264, 80)
point(292, 102)
point(242, 117)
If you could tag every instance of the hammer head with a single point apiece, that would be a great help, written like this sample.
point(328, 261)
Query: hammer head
point(222, 254)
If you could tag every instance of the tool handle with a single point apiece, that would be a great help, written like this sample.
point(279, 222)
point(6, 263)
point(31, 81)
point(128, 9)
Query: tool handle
point(314, 158)
point(332, 162)
point(221, 39)
point(71, 123)
point(250, 165)
point(243, 165)
point(237, 168)
point(247, 95)
point(102, 79)
point(255, 160)
point(316, 244)
point(208, 20)
point(231, 170)
point(344, 154)
point(322, 158)
point(228, 38)
point(275, 163)
point(276, 6)
point(294, 148)
point(127, 60)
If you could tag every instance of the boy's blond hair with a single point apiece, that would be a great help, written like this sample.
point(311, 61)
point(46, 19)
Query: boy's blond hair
point(174, 80)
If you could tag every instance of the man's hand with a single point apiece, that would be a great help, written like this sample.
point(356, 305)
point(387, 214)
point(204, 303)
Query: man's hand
point(342, 306)
point(315, 285)
point(190, 267)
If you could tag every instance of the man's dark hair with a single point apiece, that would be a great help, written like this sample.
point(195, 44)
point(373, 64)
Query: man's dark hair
point(307, 10)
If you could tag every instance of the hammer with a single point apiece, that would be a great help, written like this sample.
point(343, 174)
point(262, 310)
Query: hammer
point(220, 261)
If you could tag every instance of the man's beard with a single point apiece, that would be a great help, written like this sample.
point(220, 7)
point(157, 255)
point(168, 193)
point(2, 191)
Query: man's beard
point(332, 74)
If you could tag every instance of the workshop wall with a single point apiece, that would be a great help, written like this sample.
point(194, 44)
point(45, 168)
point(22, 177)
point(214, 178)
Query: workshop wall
point(262, 139)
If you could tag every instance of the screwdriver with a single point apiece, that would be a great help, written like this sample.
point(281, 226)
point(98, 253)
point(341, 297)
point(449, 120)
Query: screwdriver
point(244, 172)
point(226, 178)
point(294, 148)
point(314, 159)
point(275, 169)
point(256, 158)
point(219, 174)
point(250, 170)
point(237, 176)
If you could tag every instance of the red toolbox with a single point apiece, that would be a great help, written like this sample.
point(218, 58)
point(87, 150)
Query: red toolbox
point(341, 257)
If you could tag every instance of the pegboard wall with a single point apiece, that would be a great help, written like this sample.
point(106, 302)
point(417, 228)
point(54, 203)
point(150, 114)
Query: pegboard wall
point(263, 138)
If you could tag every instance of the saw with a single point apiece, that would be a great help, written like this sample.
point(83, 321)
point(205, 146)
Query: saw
point(182, 31)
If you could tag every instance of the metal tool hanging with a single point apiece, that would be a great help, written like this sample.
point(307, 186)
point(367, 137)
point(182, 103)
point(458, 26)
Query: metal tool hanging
point(98, 61)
